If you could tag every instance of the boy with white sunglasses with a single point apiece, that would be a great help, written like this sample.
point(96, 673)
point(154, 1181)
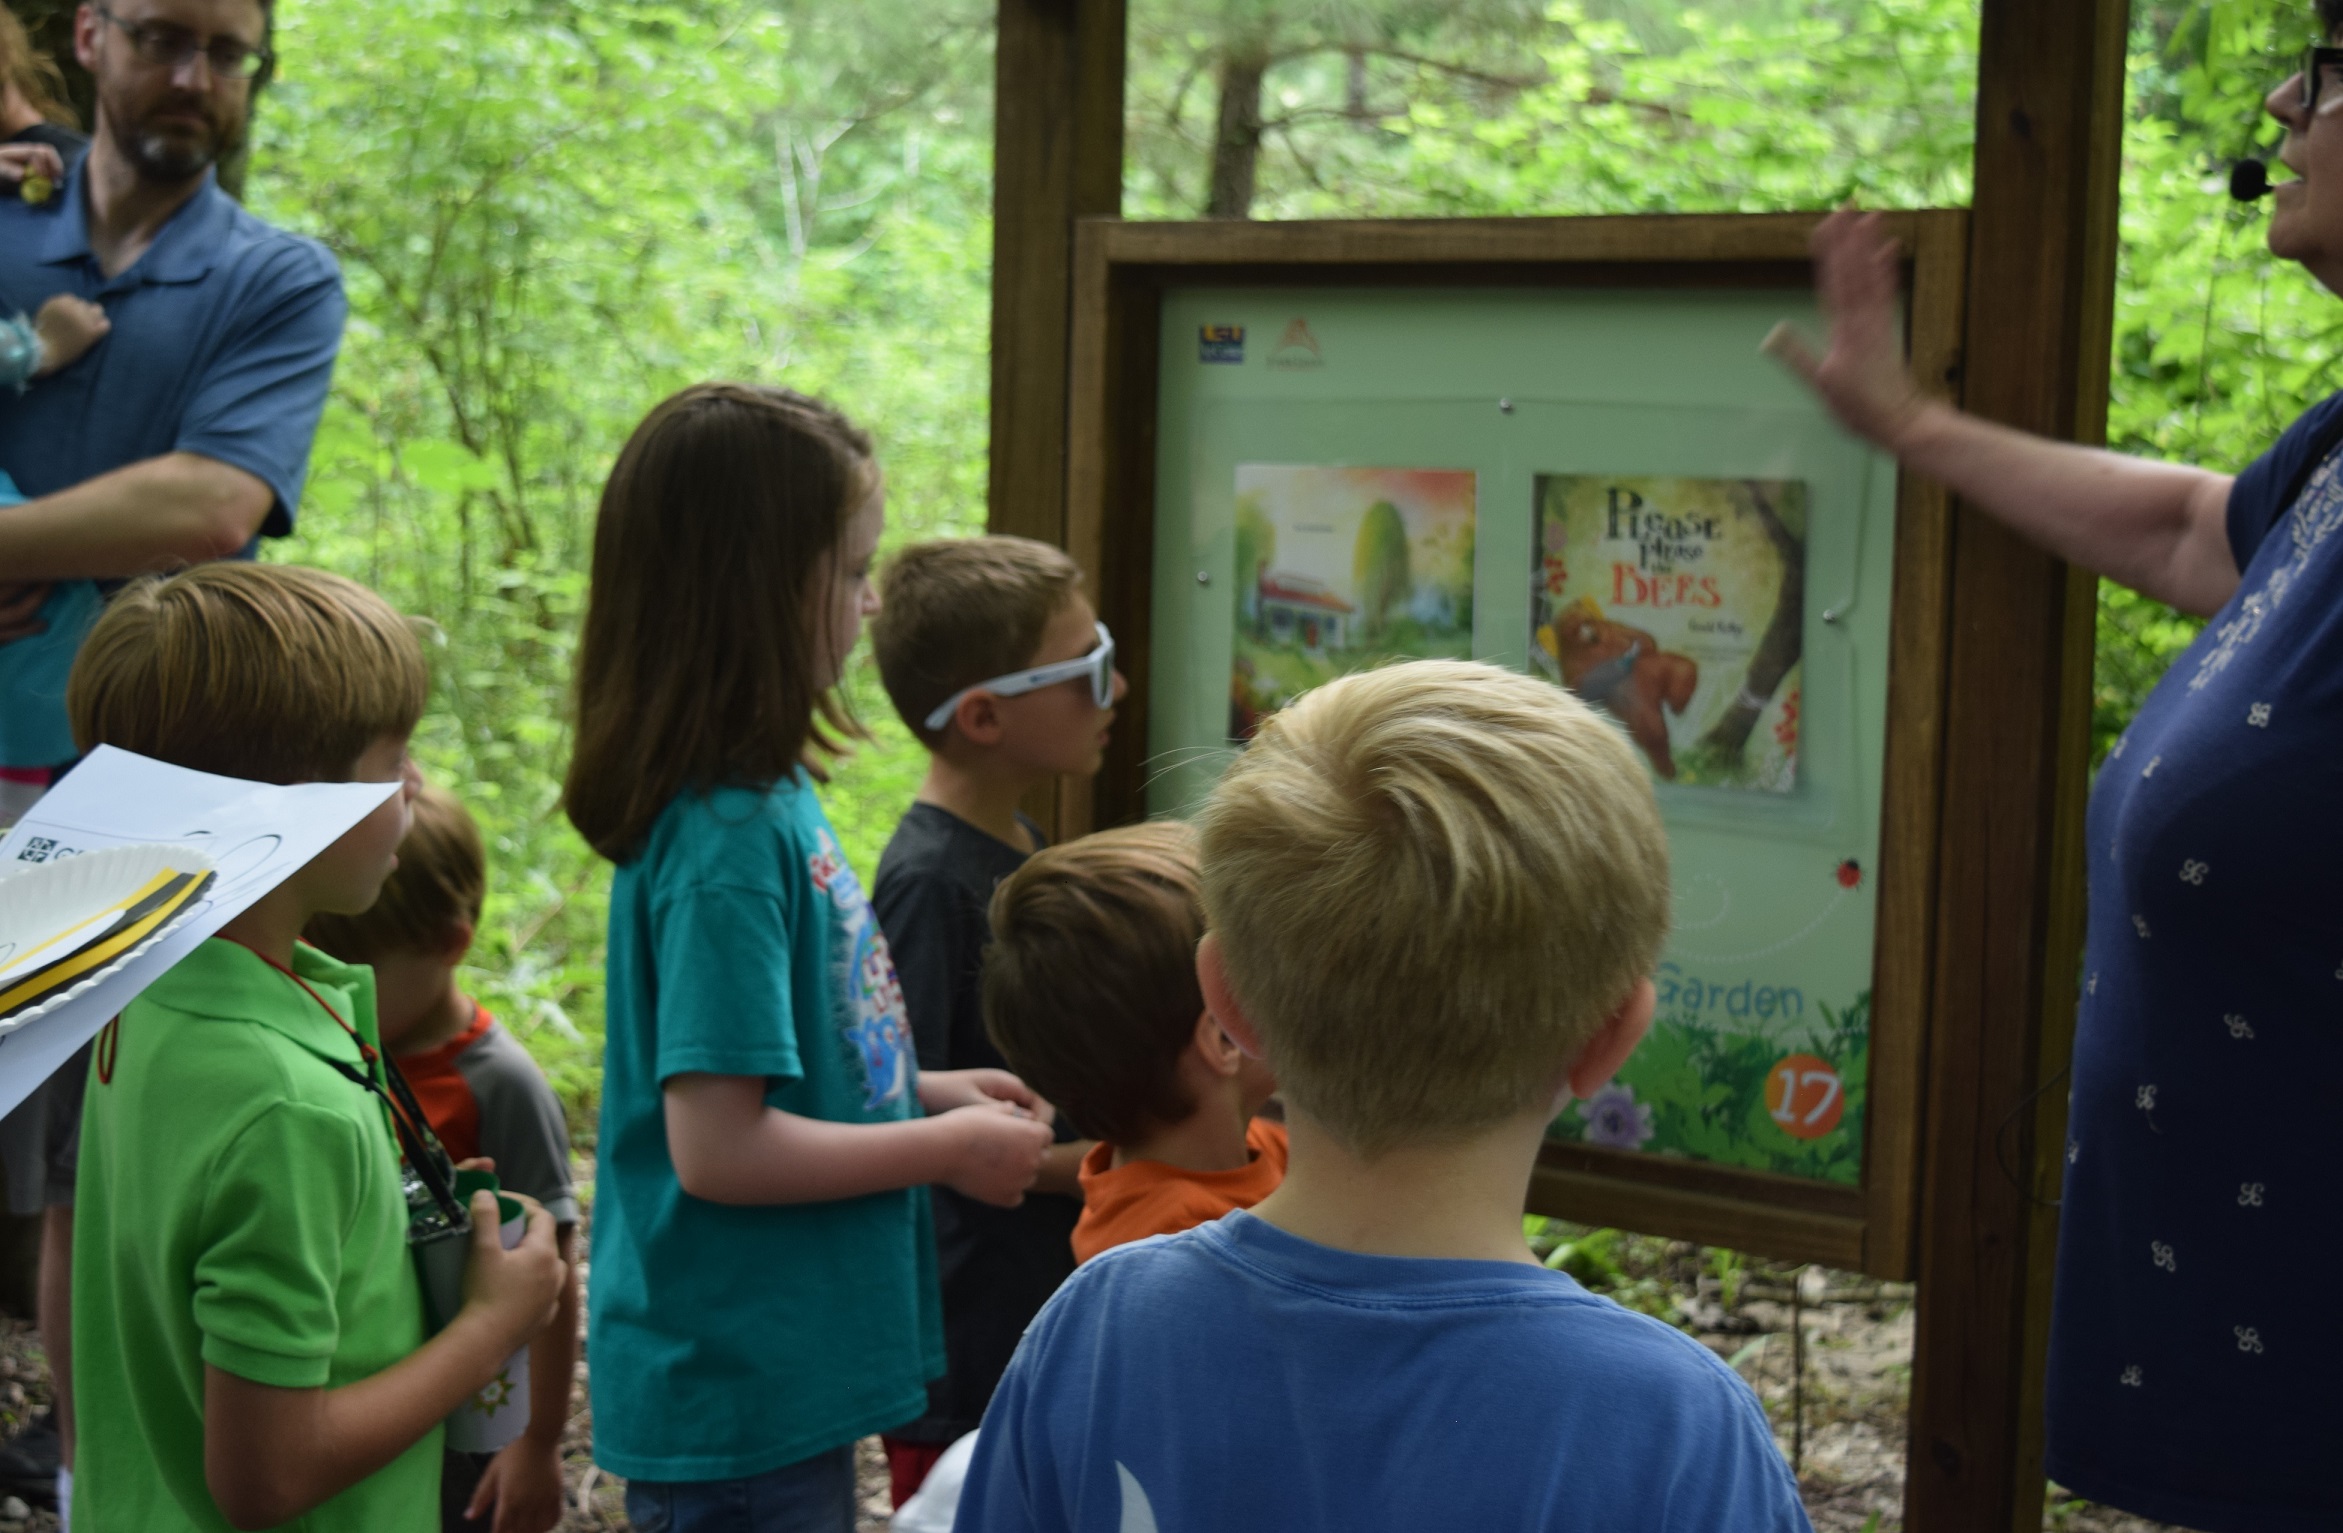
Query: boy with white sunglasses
point(993, 656)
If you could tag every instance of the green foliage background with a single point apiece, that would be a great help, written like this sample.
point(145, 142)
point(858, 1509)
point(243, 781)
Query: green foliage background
point(551, 214)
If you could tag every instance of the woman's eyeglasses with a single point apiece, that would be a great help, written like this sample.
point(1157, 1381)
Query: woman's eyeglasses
point(2315, 64)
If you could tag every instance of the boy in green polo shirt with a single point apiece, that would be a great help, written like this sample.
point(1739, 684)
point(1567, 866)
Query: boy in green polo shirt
point(248, 1328)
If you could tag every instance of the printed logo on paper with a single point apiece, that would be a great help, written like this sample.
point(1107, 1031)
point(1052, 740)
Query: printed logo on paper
point(1220, 343)
point(871, 1012)
point(1297, 348)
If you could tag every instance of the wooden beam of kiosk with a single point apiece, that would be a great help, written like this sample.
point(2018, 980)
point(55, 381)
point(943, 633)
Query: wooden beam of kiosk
point(1057, 156)
point(2016, 738)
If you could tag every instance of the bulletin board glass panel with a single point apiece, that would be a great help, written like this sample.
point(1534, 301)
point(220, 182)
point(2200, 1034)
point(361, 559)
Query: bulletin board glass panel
point(1613, 489)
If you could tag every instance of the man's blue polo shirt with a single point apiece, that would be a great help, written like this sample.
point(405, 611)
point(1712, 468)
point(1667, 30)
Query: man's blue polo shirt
point(223, 345)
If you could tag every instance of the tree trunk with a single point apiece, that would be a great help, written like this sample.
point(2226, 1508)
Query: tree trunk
point(1778, 650)
point(1236, 141)
point(237, 162)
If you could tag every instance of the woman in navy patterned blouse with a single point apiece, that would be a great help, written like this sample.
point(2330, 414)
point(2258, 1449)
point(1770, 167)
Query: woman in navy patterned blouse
point(2193, 1370)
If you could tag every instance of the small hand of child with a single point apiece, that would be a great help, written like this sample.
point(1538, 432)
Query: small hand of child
point(1000, 1152)
point(18, 161)
point(943, 1090)
point(515, 1290)
point(20, 609)
point(523, 1484)
point(68, 327)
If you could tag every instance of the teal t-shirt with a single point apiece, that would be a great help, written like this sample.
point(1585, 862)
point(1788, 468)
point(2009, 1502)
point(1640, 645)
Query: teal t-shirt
point(728, 1341)
point(33, 669)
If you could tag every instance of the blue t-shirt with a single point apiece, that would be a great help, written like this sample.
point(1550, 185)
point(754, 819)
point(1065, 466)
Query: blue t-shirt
point(223, 341)
point(2192, 1359)
point(33, 670)
point(1237, 1377)
point(727, 1340)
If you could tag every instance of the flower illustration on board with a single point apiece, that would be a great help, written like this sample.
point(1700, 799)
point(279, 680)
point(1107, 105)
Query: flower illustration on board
point(1786, 727)
point(1615, 1120)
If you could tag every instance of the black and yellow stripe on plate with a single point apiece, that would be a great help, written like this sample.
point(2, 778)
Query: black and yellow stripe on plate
point(111, 933)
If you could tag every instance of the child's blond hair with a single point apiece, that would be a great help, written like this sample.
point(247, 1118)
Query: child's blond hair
point(269, 672)
point(441, 883)
point(957, 611)
point(1430, 884)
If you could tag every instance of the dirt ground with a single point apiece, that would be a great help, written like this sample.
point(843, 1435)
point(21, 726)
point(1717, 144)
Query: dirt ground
point(1849, 1389)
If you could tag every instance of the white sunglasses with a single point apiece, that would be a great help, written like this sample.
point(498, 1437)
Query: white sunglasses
point(1098, 665)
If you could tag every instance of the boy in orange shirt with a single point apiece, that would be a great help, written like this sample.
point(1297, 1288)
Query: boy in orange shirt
point(1090, 991)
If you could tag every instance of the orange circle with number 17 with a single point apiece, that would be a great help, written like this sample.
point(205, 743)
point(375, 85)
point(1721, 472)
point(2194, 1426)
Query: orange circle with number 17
point(1803, 1096)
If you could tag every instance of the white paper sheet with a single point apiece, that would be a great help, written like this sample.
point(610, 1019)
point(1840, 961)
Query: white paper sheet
point(256, 835)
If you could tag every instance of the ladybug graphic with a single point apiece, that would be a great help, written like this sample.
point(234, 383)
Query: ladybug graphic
point(1850, 874)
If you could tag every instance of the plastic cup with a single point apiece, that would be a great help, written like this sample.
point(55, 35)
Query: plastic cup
point(499, 1412)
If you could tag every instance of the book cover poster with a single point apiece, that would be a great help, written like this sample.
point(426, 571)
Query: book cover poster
point(1677, 605)
point(1340, 569)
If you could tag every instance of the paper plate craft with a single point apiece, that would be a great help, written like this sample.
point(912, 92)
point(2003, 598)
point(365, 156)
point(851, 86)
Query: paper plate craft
point(64, 926)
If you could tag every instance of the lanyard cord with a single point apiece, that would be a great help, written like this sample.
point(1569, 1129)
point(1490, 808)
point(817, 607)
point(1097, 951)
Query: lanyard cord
point(416, 1141)
point(423, 1150)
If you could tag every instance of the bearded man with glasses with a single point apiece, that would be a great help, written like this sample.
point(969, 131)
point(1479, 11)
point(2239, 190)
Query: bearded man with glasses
point(181, 436)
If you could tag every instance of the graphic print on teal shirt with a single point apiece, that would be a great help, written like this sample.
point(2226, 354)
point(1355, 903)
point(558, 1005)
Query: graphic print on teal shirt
point(875, 1022)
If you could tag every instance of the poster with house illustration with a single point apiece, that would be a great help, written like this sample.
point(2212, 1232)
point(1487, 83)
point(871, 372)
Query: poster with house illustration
point(1678, 605)
point(1339, 569)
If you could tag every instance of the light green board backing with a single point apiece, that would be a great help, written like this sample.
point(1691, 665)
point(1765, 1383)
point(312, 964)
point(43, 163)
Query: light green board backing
point(1771, 956)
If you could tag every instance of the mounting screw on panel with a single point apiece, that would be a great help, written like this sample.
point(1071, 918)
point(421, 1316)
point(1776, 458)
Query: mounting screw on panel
point(1204, 577)
point(1504, 407)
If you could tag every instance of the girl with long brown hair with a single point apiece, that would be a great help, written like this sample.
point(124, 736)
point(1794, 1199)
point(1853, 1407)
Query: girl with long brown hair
point(33, 108)
point(764, 1279)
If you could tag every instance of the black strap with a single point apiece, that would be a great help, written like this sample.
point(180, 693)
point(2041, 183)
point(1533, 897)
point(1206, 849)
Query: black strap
point(416, 1141)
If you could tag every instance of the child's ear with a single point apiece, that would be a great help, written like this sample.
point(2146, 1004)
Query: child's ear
point(1215, 1047)
point(1220, 1001)
point(978, 719)
point(1602, 1055)
point(457, 944)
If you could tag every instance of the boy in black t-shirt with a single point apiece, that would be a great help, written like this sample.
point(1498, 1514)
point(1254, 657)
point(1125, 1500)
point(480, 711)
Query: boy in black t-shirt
point(996, 661)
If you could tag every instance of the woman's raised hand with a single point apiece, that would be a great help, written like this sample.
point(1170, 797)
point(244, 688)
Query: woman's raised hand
point(1861, 375)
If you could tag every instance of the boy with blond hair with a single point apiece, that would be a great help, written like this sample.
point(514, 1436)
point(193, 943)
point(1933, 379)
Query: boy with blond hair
point(1436, 892)
point(249, 1336)
point(485, 1097)
point(995, 660)
point(1090, 991)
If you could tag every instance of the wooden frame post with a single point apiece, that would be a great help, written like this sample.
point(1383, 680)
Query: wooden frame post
point(2016, 741)
point(1059, 67)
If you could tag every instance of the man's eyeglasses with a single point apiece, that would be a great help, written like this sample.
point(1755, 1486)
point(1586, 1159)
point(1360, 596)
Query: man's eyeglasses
point(2315, 64)
point(167, 47)
point(1098, 667)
